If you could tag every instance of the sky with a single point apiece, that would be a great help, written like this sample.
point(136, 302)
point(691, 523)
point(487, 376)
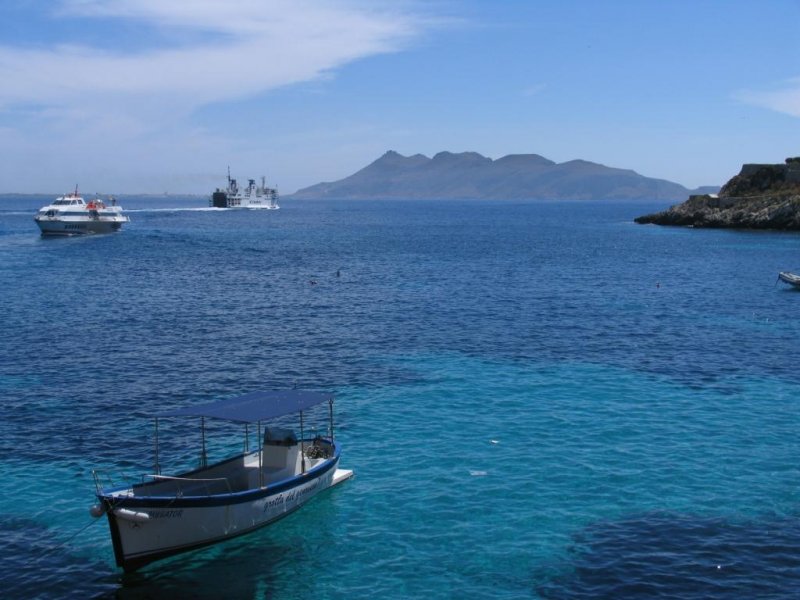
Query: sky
point(153, 96)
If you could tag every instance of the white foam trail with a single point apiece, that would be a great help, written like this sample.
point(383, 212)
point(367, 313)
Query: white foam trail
point(177, 209)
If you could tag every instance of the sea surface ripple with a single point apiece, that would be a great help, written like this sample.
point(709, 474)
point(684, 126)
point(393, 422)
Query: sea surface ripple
point(539, 400)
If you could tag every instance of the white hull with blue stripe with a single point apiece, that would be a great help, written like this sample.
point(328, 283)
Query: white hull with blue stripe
point(169, 515)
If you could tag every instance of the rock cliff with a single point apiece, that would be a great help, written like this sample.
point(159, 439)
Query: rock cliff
point(759, 197)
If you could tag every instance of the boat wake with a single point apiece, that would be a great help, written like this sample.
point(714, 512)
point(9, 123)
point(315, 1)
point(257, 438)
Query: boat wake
point(177, 209)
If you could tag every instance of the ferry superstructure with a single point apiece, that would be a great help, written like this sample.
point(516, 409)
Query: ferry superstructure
point(250, 196)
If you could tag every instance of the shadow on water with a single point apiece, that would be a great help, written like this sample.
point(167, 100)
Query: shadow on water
point(283, 556)
point(665, 555)
point(207, 573)
point(35, 567)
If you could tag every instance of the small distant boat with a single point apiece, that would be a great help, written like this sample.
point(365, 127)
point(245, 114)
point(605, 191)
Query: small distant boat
point(251, 196)
point(72, 215)
point(166, 515)
point(790, 278)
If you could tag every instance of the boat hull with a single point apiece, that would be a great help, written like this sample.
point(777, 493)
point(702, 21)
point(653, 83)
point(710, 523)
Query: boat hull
point(87, 227)
point(790, 278)
point(244, 204)
point(147, 529)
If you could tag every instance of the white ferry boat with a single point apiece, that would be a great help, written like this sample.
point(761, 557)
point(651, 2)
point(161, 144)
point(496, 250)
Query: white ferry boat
point(72, 215)
point(251, 196)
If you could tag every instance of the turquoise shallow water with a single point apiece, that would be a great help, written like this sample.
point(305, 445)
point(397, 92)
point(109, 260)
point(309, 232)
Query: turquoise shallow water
point(539, 400)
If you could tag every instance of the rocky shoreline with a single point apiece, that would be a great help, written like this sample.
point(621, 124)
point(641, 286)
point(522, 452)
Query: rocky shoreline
point(759, 197)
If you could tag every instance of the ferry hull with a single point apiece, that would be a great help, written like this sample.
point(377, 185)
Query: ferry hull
point(144, 530)
point(223, 200)
point(58, 227)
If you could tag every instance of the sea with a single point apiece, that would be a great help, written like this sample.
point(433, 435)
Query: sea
point(538, 399)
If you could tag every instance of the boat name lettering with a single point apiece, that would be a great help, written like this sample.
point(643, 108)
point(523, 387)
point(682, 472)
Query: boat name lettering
point(165, 514)
point(291, 495)
point(276, 501)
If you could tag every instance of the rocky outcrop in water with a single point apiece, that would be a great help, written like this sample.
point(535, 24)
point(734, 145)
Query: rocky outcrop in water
point(759, 197)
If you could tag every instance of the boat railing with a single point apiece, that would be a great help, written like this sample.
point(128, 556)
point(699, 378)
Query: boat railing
point(206, 481)
point(104, 479)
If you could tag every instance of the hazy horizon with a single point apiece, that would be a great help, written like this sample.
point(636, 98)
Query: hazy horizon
point(154, 96)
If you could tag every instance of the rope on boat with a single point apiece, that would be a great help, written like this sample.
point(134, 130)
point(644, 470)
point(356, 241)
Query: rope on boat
point(72, 537)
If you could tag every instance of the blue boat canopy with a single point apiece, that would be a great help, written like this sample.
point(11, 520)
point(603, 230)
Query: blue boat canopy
point(255, 406)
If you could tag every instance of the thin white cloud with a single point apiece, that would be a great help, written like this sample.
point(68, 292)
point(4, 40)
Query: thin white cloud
point(254, 46)
point(534, 90)
point(785, 100)
point(120, 117)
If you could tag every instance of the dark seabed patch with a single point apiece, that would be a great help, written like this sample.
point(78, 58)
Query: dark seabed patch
point(676, 556)
point(35, 567)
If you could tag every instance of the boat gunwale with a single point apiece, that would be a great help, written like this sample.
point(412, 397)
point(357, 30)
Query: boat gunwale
point(225, 498)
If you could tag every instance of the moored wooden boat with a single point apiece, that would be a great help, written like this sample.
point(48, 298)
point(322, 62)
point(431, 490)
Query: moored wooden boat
point(167, 515)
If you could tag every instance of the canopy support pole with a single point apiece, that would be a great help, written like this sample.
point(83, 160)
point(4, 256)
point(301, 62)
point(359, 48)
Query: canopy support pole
point(330, 406)
point(260, 455)
point(157, 470)
point(203, 456)
point(302, 446)
point(246, 439)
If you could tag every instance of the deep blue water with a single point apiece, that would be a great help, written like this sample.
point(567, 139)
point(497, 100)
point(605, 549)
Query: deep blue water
point(539, 400)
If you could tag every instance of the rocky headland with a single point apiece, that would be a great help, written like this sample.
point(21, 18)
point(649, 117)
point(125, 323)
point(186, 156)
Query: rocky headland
point(759, 197)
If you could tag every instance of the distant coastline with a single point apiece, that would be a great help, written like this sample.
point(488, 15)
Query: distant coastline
point(469, 175)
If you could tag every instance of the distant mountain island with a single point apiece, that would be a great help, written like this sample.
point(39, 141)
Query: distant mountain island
point(469, 175)
point(761, 196)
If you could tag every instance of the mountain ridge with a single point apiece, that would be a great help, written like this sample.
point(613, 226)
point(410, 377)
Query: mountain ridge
point(470, 175)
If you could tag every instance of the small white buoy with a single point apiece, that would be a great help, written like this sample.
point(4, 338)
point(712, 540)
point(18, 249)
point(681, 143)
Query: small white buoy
point(494, 442)
point(478, 473)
